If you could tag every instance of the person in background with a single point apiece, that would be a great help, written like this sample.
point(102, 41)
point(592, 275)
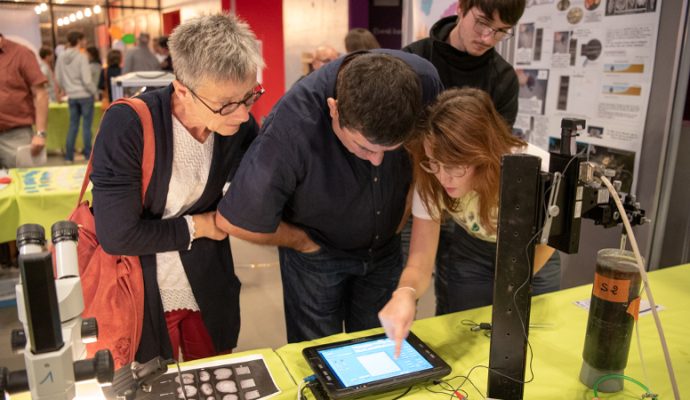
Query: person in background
point(140, 58)
point(166, 63)
point(326, 181)
point(94, 64)
point(202, 128)
point(457, 163)
point(157, 51)
point(74, 76)
point(23, 102)
point(46, 62)
point(322, 56)
point(360, 39)
point(112, 70)
point(461, 47)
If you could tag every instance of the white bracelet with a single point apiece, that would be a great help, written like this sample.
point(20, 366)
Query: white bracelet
point(414, 291)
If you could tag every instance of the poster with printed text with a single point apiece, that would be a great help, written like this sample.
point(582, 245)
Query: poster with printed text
point(589, 59)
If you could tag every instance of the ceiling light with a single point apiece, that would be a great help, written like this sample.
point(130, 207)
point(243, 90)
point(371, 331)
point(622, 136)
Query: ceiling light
point(44, 7)
point(87, 12)
point(72, 17)
point(37, 9)
point(60, 23)
point(96, 9)
point(80, 15)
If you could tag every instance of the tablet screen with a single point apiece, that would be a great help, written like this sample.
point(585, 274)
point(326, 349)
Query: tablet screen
point(359, 363)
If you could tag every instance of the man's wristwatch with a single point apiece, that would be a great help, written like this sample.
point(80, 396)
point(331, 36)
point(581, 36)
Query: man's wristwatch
point(41, 134)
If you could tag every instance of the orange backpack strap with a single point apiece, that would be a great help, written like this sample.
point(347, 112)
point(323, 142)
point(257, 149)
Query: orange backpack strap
point(149, 154)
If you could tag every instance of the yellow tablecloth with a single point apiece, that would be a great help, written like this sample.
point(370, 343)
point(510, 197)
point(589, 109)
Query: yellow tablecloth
point(58, 124)
point(557, 349)
point(39, 196)
point(8, 211)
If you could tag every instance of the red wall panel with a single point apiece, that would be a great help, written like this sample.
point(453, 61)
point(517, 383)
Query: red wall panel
point(170, 21)
point(266, 20)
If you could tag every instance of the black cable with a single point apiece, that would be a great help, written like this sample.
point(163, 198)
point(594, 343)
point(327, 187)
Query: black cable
point(301, 392)
point(404, 393)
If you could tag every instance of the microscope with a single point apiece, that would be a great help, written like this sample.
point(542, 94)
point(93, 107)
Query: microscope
point(548, 208)
point(50, 311)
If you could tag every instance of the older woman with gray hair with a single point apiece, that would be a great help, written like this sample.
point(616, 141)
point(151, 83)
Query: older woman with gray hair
point(202, 129)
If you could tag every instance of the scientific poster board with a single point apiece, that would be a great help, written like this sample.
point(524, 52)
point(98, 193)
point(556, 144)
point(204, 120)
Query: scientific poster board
point(590, 59)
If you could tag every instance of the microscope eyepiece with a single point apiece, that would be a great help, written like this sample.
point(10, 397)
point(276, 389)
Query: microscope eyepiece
point(64, 230)
point(31, 234)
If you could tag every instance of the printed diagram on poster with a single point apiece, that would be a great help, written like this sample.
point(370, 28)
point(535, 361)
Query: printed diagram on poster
point(625, 7)
point(589, 59)
point(246, 378)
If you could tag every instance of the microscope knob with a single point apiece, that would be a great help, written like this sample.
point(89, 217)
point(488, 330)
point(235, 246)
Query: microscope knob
point(101, 367)
point(105, 366)
point(18, 340)
point(89, 330)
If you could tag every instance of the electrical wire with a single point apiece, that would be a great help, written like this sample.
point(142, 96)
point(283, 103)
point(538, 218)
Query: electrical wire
point(647, 289)
point(402, 394)
point(639, 351)
point(300, 390)
point(647, 394)
point(179, 376)
point(303, 386)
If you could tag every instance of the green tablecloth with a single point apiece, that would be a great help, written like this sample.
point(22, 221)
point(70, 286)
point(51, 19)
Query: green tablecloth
point(58, 124)
point(39, 196)
point(557, 349)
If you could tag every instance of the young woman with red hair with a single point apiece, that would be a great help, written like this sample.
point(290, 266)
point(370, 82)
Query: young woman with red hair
point(457, 161)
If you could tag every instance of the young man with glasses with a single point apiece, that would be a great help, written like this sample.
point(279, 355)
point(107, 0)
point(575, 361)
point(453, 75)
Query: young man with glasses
point(461, 48)
point(326, 181)
point(202, 128)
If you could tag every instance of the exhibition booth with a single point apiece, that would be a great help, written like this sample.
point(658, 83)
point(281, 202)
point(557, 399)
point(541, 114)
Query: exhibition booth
point(614, 72)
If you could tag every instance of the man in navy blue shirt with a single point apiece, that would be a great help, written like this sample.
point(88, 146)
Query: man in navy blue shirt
point(327, 181)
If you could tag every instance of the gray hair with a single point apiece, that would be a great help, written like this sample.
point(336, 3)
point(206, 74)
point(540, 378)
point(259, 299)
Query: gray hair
point(218, 47)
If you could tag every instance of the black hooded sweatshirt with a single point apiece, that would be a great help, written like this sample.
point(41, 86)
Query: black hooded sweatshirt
point(489, 72)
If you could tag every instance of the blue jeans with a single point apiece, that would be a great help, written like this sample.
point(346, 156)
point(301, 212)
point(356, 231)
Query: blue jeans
point(323, 291)
point(465, 270)
point(79, 108)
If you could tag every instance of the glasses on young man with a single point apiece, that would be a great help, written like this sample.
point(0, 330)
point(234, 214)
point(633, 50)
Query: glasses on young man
point(229, 108)
point(483, 28)
point(434, 167)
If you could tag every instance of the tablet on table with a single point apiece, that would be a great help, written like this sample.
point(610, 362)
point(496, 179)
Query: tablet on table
point(365, 366)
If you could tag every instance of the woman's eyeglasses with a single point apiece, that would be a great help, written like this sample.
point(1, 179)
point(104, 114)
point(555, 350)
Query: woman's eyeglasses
point(434, 167)
point(230, 107)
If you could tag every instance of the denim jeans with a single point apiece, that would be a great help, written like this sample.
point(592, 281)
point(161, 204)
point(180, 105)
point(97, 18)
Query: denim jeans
point(322, 291)
point(465, 271)
point(79, 108)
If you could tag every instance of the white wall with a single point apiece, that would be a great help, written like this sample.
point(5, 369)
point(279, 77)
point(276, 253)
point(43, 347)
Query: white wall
point(21, 26)
point(191, 8)
point(308, 24)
